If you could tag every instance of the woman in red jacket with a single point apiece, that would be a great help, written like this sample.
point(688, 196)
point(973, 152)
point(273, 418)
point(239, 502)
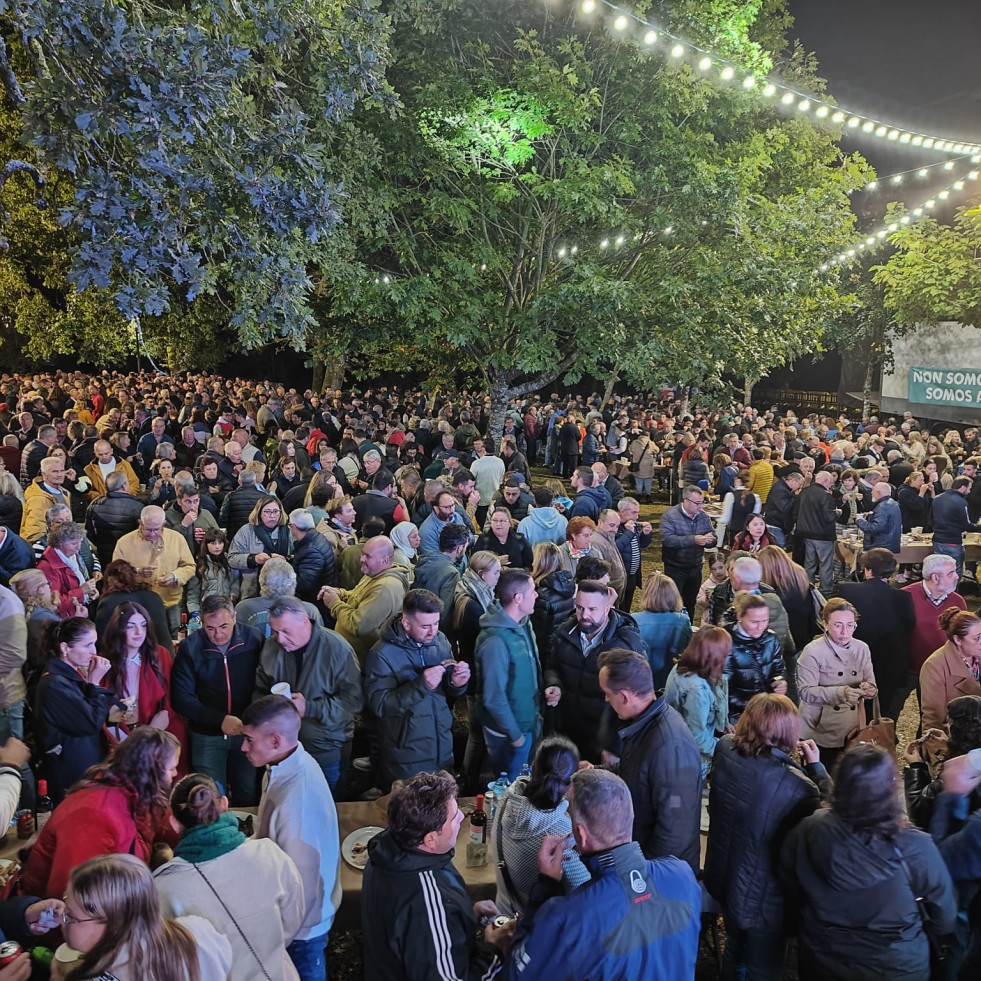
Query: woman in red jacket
point(66, 573)
point(119, 806)
point(140, 670)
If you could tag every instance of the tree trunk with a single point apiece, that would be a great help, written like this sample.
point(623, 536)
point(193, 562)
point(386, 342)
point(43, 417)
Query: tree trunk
point(870, 369)
point(610, 385)
point(328, 372)
point(748, 386)
point(685, 400)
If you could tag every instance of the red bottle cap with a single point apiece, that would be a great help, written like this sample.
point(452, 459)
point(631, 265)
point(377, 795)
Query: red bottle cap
point(480, 802)
point(42, 787)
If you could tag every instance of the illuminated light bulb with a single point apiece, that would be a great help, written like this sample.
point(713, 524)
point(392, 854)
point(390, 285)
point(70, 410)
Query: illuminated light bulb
point(893, 227)
point(973, 175)
point(749, 82)
point(880, 131)
point(851, 252)
point(949, 165)
point(824, 268)
point(838, 117)
point(727, 73)
point(871, 186)
point(943, 195)
point(788, 97)
point(959, 185)
point(868, 126)
point(385, 279)
point(904, 220)
point(669, 229)
point(917, 140)
point(561, 253)
point(870, 240)
point(928, 143)
point(917, 212)
point(620, 24)
point(905, 137)
point(377, 280)
point(705, 63)
point(804, 105)
point(958, 148)
point(821, 112)
point(922, 172)
point(574, 249)
point(976, 159)
point(898, 179)
point(769, 90)
point(893, 134)
point(930, 204)
point(853, 122)
point(604, 243)
point(881, 234)
point(704, 223)
point(620, 240)
point(650, 37)
point(588, 6)
point(677, 51)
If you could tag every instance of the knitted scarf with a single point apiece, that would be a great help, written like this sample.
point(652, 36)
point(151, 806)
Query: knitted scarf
point(208, 841)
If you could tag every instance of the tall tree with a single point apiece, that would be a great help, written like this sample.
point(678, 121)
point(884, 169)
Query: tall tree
point(197, 137)
point(561, 201)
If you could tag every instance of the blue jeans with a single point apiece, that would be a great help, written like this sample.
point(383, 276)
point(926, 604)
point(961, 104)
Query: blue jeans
point(756, 954)
point(777, 535)
point(309, 957)
point(956, 552)
point(222, 759)
point(504, 757)
point(642, 485)
point(12, 724)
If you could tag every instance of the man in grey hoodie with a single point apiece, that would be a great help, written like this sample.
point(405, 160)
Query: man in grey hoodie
point(543, 523)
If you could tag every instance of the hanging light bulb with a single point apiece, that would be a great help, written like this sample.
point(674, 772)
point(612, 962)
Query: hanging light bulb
point(804, 105)
point(821, 112)
point(620, 24)
point(787, 98)
point(650, 37)
point(588, 6)
point(705, 63)
point(677, 51)
point(868, 126)
point(853, 122)
point(922, 172)
point(838, 117)
point(749, 82)
point(769, 90)
point(727, 73)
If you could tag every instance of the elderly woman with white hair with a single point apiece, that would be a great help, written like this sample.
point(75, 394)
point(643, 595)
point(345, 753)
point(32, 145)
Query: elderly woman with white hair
point(276, 580)
point(65, 571)
point(313, 558)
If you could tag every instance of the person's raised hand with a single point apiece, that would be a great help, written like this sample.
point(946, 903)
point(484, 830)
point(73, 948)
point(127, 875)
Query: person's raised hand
point(808, 749)
point(433, 676)
point(550, 855)
point(959, 775)
point(14, 753)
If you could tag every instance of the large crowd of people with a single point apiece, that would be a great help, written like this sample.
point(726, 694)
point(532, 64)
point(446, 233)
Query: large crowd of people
point(213, 590)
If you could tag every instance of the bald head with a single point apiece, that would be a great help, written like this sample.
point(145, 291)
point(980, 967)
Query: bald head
point(825, 479)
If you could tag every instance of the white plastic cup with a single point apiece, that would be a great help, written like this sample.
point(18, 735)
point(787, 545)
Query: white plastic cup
point(67, 955)
point(918, 530)
point(282, 688)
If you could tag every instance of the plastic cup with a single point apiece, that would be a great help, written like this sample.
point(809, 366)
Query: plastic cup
point(282, 688)
point(67, 955)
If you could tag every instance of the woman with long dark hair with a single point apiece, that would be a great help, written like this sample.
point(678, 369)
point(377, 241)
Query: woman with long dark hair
point(113, 919)
point(140, 670)
point(864, 883)
point(117, 806)
point(217, 872)
point(122, 583)
point(533, 808)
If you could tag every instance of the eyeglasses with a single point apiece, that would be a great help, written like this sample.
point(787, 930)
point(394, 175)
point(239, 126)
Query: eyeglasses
point(67, 919)
point(270, 510)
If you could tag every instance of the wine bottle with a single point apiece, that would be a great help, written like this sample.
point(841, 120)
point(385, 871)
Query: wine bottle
point(43, 805)
point(478, 822)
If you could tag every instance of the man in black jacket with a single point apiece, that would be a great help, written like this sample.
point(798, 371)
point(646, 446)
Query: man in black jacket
point(780, 507)
point(816, 526)
point(238, 505)
point(885, 620)
point(419, 920)
point(573, 667)
point(659, 760)
point(313, 557)
point(211, 685)
point(109, 518)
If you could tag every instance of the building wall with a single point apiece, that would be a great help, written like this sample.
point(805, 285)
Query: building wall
point(945, 345)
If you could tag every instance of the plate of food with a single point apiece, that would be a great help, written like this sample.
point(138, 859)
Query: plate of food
point(246, 822)
point(354, 848)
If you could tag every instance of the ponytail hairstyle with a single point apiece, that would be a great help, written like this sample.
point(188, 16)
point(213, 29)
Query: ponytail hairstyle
point(555, 763)
point(196, 801)
point(57, 632)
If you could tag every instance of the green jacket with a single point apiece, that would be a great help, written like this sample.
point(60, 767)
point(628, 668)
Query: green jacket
point(509, 674)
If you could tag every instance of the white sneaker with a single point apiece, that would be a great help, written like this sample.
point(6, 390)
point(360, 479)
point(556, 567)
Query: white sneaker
point(362, 763)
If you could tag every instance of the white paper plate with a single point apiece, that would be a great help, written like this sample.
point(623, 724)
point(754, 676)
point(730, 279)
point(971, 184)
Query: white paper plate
point(360, 837)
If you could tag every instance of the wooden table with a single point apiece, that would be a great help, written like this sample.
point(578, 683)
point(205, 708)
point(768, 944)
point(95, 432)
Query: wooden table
point(912, 551)
point(351, 815)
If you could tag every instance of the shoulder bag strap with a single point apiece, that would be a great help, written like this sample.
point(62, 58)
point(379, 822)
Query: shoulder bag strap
point(938, 950)
point(262, 968)
point(501, 864)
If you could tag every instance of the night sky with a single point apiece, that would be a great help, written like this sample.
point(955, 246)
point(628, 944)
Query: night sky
point(911, 63)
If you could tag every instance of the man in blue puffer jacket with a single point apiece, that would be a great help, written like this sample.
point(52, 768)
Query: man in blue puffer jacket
point(636, 918)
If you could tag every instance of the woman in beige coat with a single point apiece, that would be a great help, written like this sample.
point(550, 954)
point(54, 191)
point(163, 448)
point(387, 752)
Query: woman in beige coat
point(834, 677)
point(642, 453)
point(949, 671)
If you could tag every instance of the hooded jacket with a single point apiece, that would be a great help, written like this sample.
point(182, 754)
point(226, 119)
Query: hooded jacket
point(585, 716)
point(414, 721)
point(589, 502)
point(361, 613)
point(206, 684)
point(543, 525)
point(418, 918)
point(855, 904)
point(439, 574)
point(554, 604)
point(509, 675)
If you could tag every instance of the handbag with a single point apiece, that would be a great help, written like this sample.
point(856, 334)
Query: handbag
point(939, 948)
point(262, 967)
point(879, 732)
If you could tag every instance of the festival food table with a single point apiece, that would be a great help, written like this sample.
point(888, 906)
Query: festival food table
point(914, 548)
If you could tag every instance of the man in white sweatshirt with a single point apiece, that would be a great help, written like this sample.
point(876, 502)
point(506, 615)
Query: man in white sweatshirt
point(298, 813)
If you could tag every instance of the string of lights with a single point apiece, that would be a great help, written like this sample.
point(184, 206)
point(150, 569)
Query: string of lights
point(771, 89)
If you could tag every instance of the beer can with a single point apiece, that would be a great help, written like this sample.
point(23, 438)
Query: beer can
point(9, 952)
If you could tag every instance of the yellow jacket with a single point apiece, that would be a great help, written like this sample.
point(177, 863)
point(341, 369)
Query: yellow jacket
point(94, 473)
point(759, 478)
point(170, 557)
point(36, 503)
